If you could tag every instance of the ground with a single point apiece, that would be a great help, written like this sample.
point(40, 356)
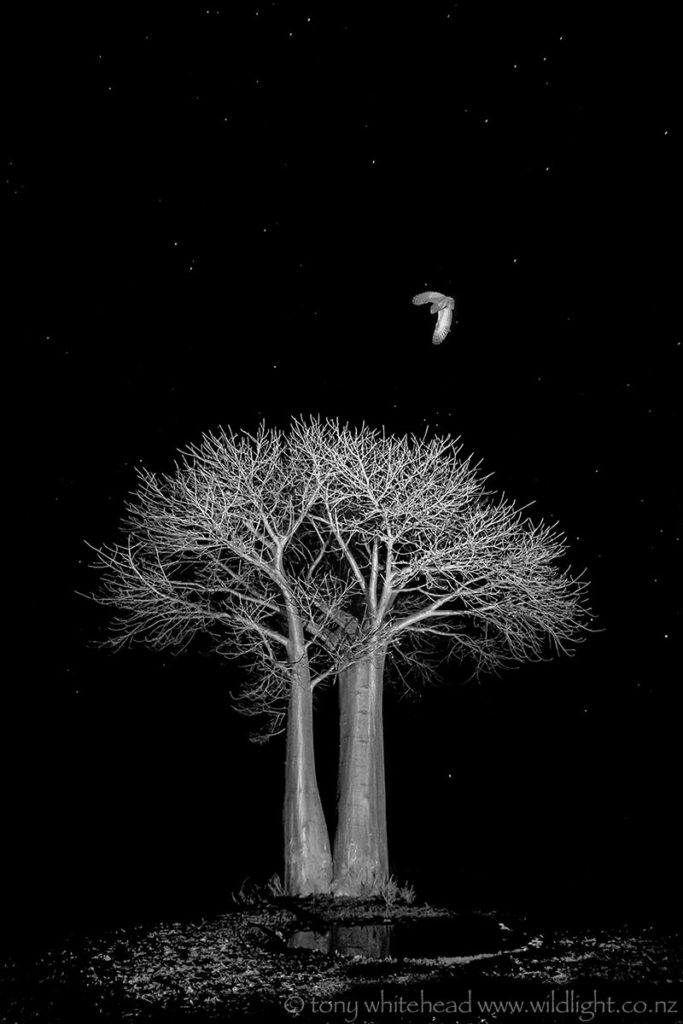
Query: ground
point(240, 966)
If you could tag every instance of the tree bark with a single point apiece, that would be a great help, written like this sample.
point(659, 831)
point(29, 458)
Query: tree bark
point(308, 862)
point(361, 863)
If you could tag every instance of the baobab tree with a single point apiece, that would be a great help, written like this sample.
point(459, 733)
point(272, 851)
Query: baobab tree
point(224, 546)
point(330, 552)
point(437, 562)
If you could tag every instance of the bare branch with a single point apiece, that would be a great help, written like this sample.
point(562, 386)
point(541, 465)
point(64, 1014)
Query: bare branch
point(452, 560)
point(327, 544)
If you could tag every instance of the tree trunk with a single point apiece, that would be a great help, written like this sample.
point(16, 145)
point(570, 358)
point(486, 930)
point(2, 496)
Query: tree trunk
point(361, 863)
point(308, 863)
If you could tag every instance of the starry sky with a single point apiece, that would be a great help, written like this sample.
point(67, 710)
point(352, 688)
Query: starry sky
point(215, 216)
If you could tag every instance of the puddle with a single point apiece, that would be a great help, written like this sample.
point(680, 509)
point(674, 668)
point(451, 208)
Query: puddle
point(428, 937)
point(368, 940)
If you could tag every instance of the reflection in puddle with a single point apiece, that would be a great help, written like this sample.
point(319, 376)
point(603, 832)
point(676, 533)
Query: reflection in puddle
point(368, 940)
point(431, 937)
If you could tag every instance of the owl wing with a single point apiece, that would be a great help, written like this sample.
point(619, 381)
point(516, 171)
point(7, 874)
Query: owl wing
point(443, 325)
point(424, 297)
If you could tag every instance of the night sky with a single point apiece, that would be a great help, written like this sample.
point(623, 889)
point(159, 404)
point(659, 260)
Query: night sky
point(218, 215)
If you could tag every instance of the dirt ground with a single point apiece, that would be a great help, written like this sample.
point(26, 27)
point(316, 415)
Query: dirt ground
point(240, 966)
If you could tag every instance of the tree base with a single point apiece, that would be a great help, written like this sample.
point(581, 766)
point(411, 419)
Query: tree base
point(368, 883)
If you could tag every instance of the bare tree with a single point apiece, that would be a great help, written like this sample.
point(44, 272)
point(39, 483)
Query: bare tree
point(437, 563)
point(331, 553)
point(224, 546)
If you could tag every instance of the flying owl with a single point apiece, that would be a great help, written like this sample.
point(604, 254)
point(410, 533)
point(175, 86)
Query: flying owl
point(441, 304)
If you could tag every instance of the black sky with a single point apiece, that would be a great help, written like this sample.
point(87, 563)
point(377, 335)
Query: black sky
point(215, 216)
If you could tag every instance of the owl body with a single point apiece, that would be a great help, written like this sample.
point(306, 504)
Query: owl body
point(443, 306)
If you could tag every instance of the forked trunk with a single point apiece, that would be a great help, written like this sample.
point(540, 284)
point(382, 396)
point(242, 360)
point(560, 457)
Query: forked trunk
point(308, 863)
point(361, 863)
